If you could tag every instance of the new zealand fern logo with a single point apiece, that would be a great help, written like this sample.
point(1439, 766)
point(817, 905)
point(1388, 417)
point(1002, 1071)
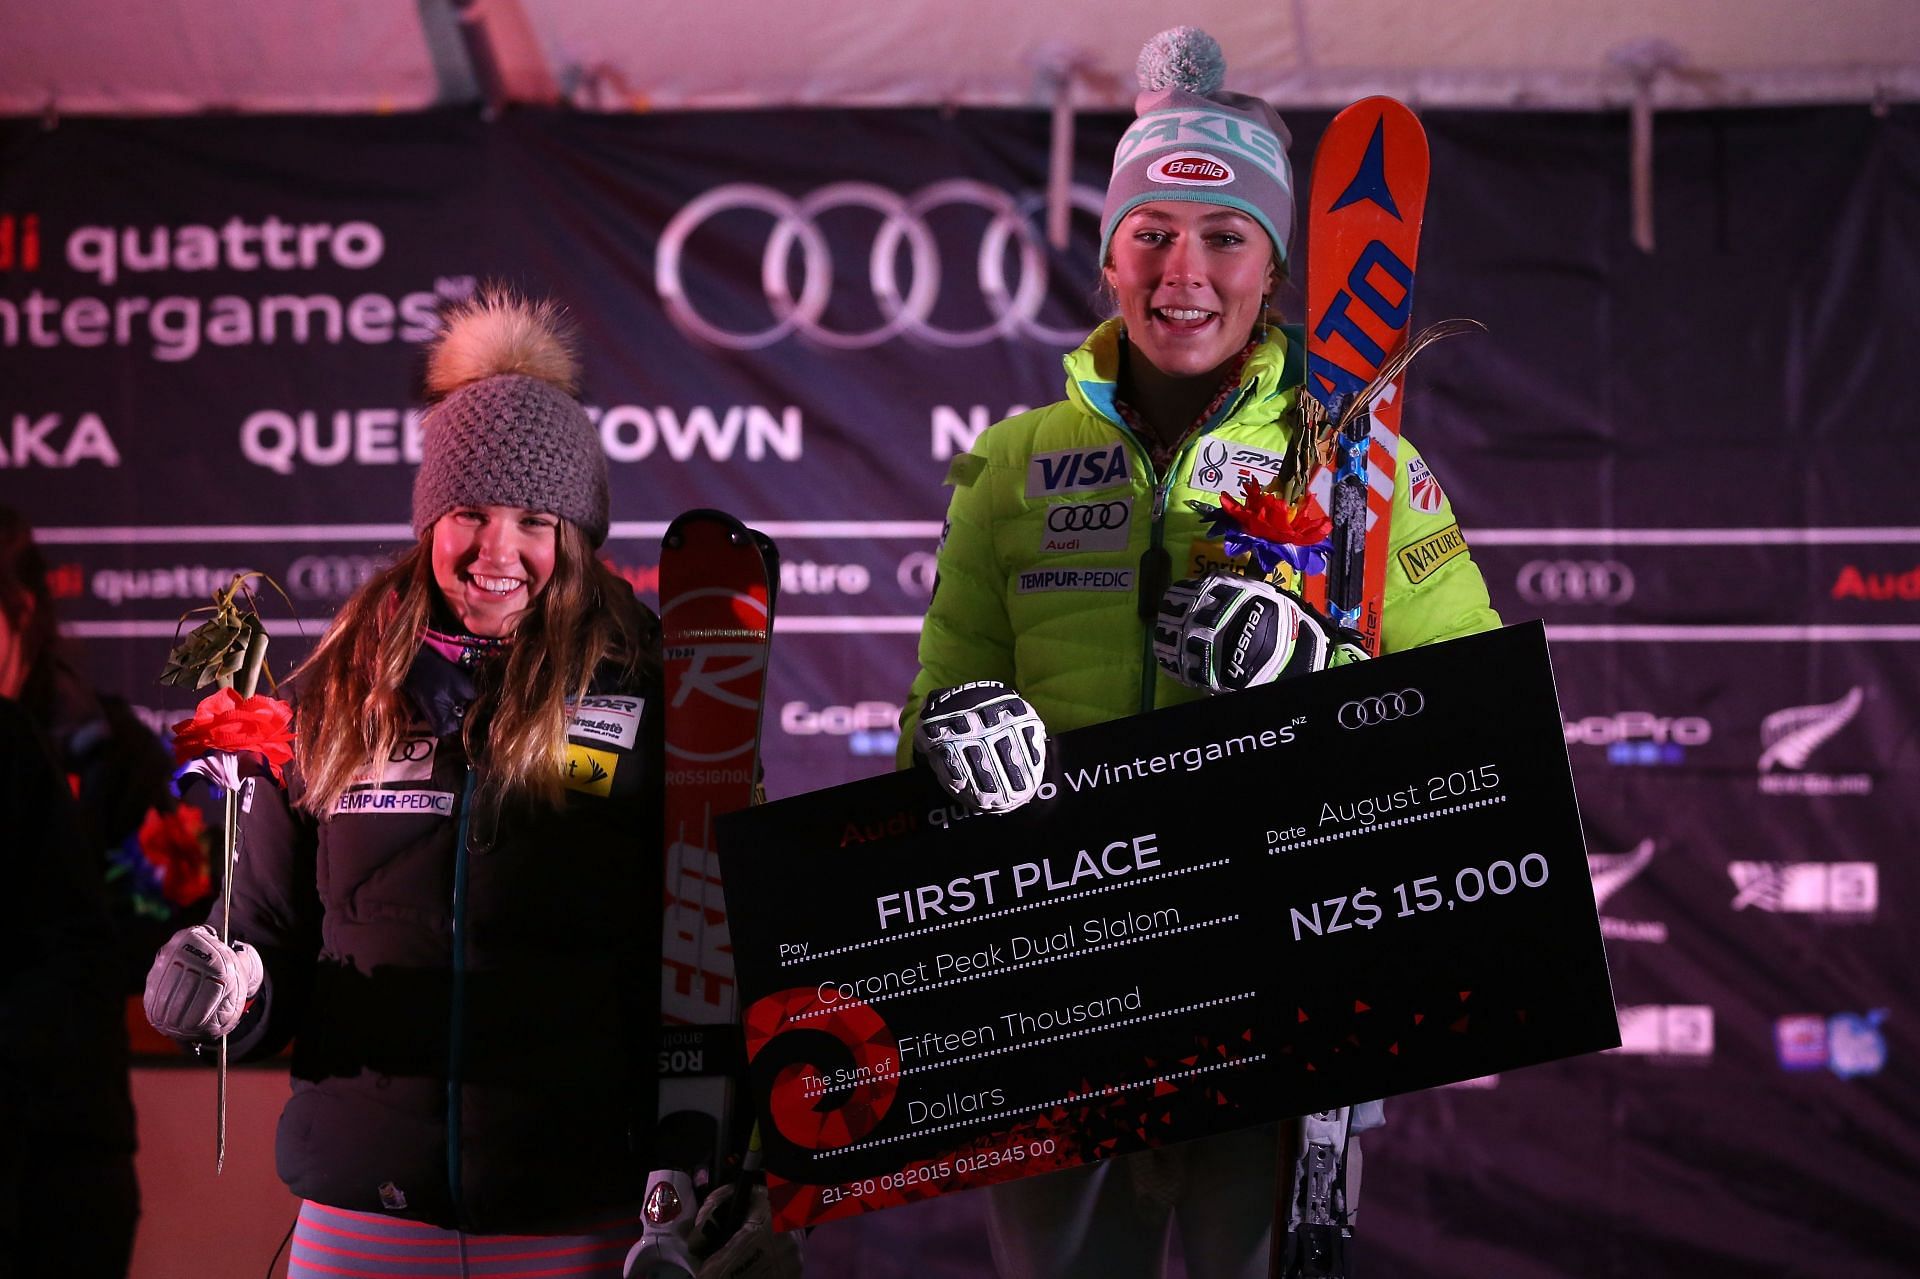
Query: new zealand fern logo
point(1788, 739)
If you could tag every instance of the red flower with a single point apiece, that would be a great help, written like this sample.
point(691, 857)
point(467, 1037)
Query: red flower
point(175, 844)
point(227, 722)
point(1267, 516)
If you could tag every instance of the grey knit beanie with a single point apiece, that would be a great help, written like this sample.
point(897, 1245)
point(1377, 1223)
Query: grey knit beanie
point(507, 430)
point(1195, 141)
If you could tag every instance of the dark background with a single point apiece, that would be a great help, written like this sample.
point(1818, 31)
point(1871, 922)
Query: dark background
point(1698, 465)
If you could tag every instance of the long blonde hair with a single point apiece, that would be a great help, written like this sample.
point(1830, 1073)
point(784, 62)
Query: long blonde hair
point(352, 710)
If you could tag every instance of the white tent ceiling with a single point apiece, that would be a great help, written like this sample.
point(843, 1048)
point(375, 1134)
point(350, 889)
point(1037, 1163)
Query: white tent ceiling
point(189, 56)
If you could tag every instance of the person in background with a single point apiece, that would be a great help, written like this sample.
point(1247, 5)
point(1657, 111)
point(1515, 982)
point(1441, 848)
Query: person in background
point(452, 905)
point(1030, 634)
point(79, 776)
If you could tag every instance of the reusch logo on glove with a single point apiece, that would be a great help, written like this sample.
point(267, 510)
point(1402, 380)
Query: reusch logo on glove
point(1189, 169)
point(1237, 665)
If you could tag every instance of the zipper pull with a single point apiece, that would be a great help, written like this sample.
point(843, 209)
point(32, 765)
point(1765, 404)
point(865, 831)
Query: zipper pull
point(1160, 491)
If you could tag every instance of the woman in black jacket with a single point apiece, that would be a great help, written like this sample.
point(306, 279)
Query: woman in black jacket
point(453, 906)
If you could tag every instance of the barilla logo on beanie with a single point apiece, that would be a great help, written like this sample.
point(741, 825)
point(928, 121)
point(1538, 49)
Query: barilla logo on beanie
point(1189, 169)
point(1178, 123)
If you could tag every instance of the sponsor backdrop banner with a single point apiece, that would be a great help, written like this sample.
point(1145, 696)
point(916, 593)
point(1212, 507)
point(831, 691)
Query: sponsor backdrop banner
point(1694, 465)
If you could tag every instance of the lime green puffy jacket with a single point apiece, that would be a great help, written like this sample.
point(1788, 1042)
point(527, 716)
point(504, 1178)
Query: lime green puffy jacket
point(1053, 509)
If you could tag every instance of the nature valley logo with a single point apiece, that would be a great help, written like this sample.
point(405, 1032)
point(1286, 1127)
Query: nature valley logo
point(1789, 738)
point(1425, 557)
point(1613, 871)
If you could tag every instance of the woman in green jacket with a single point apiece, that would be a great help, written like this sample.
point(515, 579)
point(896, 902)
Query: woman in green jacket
point(1066, 526)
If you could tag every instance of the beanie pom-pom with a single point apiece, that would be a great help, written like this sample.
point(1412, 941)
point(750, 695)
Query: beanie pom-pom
point(499, 332)
point(1182, 58)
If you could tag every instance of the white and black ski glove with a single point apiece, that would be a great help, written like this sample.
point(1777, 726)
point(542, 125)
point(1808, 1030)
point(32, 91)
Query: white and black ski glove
point(753, 1250)
point(986, 746)
point(198, 986)
point(1223, 632)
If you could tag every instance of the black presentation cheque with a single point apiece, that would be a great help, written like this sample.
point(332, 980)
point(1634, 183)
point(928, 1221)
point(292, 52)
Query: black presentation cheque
point(1361, 883)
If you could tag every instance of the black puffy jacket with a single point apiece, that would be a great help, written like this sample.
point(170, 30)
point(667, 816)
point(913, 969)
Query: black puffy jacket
point(472, 1001)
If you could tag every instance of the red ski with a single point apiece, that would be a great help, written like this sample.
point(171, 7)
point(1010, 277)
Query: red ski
point(1368, 193)
point(717, 580)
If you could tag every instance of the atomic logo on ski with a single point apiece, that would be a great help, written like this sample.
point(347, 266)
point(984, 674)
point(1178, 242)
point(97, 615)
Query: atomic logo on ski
point(1370, 181)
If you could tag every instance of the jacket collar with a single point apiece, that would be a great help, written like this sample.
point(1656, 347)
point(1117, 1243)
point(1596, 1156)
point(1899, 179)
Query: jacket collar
point(1270, 373)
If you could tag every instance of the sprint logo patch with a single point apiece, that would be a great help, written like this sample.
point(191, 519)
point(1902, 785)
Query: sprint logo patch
point(589, 770)
point(1425, 557)
point(1206, 557)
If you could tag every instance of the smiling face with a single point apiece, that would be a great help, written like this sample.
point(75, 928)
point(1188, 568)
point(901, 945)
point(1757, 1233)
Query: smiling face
point(1190, 279)
point(492, 562)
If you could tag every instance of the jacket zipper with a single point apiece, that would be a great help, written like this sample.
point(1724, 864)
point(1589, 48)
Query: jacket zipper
point(1157, 531)
point(457, 1014)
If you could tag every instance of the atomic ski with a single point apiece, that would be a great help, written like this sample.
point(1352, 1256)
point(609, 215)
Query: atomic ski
point(1365, 202)
point(717, 585)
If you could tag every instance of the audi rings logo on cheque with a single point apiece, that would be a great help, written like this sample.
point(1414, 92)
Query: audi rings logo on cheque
point(1575, 582)
point(329, 577)
point(1076, 517)
point(1384, 709)
point(906, 312)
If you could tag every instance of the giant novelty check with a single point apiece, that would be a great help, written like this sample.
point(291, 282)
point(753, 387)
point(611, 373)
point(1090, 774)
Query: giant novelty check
point(1219, 914)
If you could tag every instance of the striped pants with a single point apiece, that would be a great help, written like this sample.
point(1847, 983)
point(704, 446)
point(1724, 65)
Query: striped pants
point(332, 1243)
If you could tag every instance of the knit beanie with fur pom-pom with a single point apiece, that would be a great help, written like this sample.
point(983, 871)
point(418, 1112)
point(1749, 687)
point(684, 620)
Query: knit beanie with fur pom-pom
point(505, 428)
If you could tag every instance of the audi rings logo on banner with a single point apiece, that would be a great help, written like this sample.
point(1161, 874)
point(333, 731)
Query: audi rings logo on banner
point(1575, 582)
point(1014, 305)
point(1383, 709)
point(329, 577)
point(1074, 517)
point(411, 750)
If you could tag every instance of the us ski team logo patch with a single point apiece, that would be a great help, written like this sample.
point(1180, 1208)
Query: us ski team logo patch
point(1423, 490)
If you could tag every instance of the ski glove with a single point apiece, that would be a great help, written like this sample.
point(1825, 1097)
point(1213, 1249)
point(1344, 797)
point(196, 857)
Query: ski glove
point(1222, 633)
point(198, 987)
point(753, 1250)
point(986, 746)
